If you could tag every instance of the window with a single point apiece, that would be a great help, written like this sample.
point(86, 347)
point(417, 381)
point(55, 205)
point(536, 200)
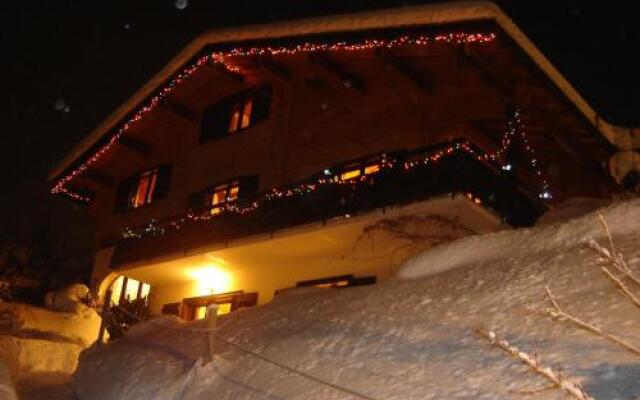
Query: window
point(236, 113)
point(337, 282)
point(356, 170)
point(215, 198)
point(143, 188)
point(332, 282)
point(241, 114)
point(221, 195)
point(201, 311)
point(196, 307)
point(124, 288)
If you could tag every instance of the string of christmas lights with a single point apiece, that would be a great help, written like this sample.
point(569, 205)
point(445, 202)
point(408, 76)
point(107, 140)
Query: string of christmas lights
point(515, 128)
point(227, 60)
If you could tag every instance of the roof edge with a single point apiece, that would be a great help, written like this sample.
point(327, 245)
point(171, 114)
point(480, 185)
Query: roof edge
point(432, 14)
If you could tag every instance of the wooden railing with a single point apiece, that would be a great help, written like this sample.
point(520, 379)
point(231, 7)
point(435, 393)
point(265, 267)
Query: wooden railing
point(456, 172)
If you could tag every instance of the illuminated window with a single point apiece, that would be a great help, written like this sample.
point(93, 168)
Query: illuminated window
point(214, 199)
point(145, 290)
point(200, 312)
point(116, 290)
point(144, 188)
point(236, 113)
point(128, 289)
point(336, 284)
point(354, 171)
point(131, 291)
point(350, 174)
point(241, 114)
point(196, 307)
point(222, 195)
point(224, 308)
point(372, 169)
point(246, 113)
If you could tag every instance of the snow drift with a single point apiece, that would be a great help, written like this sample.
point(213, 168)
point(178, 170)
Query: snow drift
point(40, 346)
point(410, 338)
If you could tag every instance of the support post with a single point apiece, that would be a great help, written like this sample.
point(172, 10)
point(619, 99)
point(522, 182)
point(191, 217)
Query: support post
point(105, 315)
point(210, 320)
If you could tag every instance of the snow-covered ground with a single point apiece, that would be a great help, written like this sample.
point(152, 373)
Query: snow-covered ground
point(410, 338)
point(39, 347)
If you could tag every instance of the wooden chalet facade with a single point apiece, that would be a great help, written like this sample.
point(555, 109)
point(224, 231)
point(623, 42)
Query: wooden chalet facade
point(261, 156)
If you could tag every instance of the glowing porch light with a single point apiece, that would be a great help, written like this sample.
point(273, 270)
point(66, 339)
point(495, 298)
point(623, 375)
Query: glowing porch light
point(211, 280)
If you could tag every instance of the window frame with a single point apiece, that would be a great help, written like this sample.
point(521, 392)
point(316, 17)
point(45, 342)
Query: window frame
point(159, 180)
point(358, 169)
point(231, 111)
point(137, 179)
point(227, 186)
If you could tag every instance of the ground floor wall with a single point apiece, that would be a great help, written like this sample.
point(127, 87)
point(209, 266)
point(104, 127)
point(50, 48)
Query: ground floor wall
point(368, 248)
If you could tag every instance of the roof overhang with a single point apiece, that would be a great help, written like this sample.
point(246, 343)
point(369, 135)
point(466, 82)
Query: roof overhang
point(435, 14)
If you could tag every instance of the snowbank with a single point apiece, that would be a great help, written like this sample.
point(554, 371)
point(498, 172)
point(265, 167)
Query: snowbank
point(81, 327)
point(550, 236)
point(40, 346)
point(408, 338)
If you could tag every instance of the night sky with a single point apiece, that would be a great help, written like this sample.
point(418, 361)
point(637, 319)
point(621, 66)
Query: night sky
point(69, 64)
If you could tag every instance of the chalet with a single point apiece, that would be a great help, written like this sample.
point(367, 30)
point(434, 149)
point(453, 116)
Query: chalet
point(325, 151)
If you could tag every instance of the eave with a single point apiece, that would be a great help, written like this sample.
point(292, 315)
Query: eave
point(436, 14)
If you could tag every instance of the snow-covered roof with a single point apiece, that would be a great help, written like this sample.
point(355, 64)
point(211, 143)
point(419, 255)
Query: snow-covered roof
point(422, 15)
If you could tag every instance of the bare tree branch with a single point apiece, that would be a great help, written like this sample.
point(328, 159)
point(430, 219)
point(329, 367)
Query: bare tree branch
point(555, 378)
point(558, 313)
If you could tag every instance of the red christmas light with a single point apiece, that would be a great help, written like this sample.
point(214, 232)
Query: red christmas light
point(226, 59)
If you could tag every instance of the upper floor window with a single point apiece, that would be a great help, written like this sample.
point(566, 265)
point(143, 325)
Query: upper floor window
point(143, 188)
point(241, 114)
point(354, 171)
point(236, 113)
point(215, 198)
point(223, 194)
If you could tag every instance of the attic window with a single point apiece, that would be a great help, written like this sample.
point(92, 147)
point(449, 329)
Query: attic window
point(241, 115)
point(236, 113)
point(143, 188)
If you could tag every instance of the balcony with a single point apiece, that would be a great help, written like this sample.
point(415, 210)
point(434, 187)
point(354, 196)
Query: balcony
point(391, 180)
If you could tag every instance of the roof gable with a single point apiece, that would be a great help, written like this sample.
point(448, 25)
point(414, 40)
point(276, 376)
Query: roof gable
point(101, 139)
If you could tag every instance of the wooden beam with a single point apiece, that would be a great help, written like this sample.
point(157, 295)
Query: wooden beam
point(349, 79)
point(178, 109)
point(406, 70)
point(274, 67)
point(496, 78)
point(137, 145)
point(232, 75)
point(99, 178)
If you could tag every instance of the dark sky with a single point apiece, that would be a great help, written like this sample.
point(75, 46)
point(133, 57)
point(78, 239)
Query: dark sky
point(90, 56)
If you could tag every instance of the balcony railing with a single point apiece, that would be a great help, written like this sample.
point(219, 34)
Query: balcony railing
point(400, 178)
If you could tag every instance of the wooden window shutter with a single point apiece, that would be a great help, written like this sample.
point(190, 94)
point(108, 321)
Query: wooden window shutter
point(215, 120)
point(261, 103)
point(162, 182)
point(248, 190)
point(198, 201)
point(123, 194)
